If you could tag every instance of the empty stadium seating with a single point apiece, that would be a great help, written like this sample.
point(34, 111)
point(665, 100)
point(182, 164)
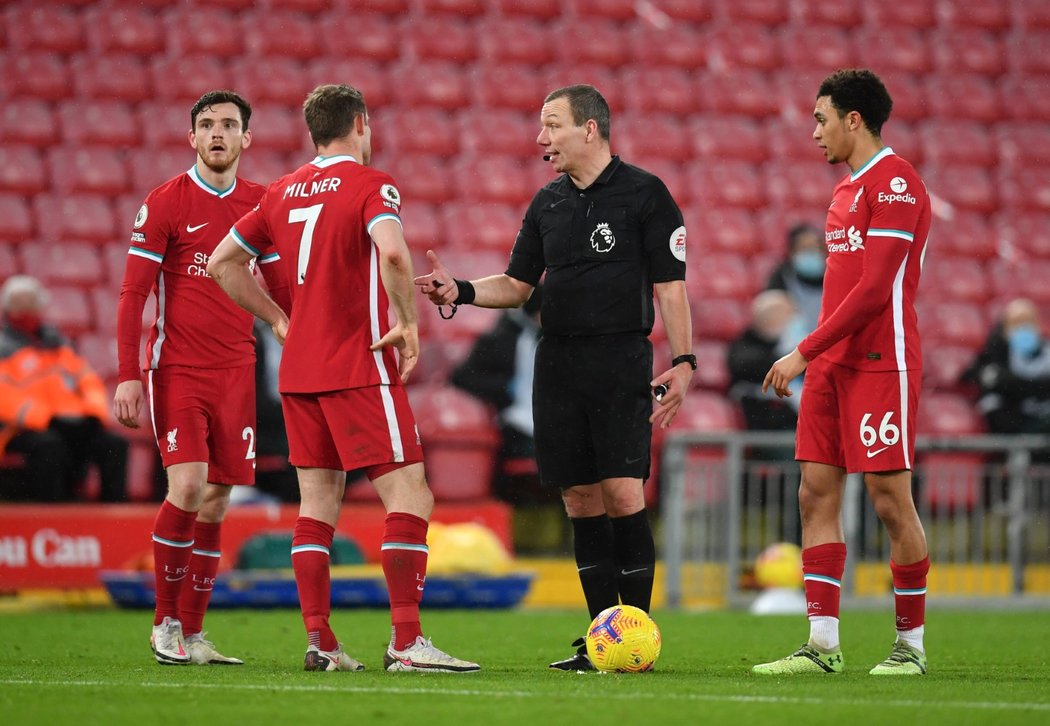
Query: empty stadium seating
point(714, 96)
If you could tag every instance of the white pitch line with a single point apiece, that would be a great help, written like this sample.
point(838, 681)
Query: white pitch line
point(604, 695)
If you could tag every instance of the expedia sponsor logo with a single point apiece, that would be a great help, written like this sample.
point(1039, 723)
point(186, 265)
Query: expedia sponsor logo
point(885, 198)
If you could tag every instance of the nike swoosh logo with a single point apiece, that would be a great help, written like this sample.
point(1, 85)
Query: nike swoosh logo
point(635, 460)
point(876, 452)
point(588, 567)
point(194, 229)
point(169, 578)
point(555, 204)
point(419, 587)
point(202, 589)
point(631, 572)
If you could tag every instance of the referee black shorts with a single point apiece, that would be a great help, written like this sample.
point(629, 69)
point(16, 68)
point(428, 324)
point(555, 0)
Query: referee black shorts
point(591, 405)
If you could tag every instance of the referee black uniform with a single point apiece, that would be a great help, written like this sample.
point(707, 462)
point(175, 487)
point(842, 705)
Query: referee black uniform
point(602, 248)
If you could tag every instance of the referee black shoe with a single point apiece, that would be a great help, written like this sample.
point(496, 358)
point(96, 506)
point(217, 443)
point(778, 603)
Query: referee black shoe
point(579, 660)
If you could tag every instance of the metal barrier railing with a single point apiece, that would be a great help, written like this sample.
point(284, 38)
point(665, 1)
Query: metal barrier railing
point(984, 501)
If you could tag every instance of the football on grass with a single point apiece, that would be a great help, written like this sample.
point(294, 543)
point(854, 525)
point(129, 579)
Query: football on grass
point(623, 639)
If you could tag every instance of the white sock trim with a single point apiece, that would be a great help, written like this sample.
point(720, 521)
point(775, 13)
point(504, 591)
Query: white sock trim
point(824, 632)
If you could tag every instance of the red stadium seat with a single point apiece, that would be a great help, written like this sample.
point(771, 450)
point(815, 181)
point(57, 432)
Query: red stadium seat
point(906, 142)
point(803, 184)
point(66, 263)
point(732, 47)
point(152, 167)
point(490, 178)
point(8, 262)
point(439, 84)
point(1023, 278)
point(427, 131)
point(204, 30)
point(442, 39)
point(689, 11)
point(766, 12)
point(712, 371)
point(911, 51)
point(746, 92)
point(952, 323)
point(1032, 16)
point(672, 45)
point(816, 47)
point(74, 216)
point(118, 77)
point(957, 142)
point(423, 226)
point(279, 127)
point(706, 411)
point(470, 225)
point(439, 357)
point(69, 310)
point(89, 169)
point(16, 219)
point(279, 35)
point(27, 122)
point(947, 414)
point(104, 301)
point(965, 187)
point(949, 481)
point(514, 40)
point(942, 365)
point(910, 97)
point(818, 12)
point(966, 234)
point(178, 79)
point(722, 275)
point(515, 136)
point(960, 278)
point(598, 41)
point(22, 170)
point(1028, 232)
point(422, 177)
point(918, 14)
point(960, 15)
point(969, 51)
point(1023, 144)
point(366, 76)
point(730, 183)
point(638, 135)
point(516, 87)
point(542, 9)
point(263, 166)
point(458, 8)
point(36, 75)
point(1025, 98)
point(1026, 189)
point(964, 96)
point(132, 30)
point(776, 138)
point(47, 29)
point(597, 74)
point(310, 7)
point(725, 229)
point(660, 90)
point(619, 11)
point(358, 35)
point(459, 441)
point(276, 79)
point(98, 123)
point(115, 259)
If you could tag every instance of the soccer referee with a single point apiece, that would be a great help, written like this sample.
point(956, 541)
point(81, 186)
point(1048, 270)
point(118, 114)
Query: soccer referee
point(607, 235)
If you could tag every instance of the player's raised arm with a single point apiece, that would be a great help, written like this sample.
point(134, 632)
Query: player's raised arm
point(228, 266)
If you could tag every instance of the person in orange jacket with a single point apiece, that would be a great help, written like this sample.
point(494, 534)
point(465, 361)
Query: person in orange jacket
point(52, 406)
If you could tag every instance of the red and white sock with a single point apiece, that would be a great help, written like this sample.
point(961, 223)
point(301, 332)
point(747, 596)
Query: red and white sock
point(822, 568)
point(204, 564)
point(311, 560)
point(909, 597)
point(404, 559)
point(172, 545)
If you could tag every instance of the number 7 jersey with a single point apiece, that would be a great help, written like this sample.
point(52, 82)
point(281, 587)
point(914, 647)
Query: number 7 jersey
point(319, 219)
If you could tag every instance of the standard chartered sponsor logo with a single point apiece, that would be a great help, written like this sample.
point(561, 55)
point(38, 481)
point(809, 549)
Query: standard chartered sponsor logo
point(856, 240)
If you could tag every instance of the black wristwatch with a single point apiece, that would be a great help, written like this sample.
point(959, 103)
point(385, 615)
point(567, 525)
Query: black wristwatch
point(687, 358)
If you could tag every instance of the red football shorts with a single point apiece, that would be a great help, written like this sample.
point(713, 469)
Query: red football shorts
point(356, 428)
point(858, 420)
point(206, 414)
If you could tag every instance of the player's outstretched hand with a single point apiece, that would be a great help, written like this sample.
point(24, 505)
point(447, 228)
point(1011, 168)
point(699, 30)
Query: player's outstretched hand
point(127, 402)
point(439, 285)
point(783, 372)
point(406, 339)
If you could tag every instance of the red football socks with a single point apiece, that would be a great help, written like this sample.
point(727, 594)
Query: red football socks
point(311, 559)
point(204, 564)
point(172, 545)
point(822, 568)
point(404, 558)
point(909, 593)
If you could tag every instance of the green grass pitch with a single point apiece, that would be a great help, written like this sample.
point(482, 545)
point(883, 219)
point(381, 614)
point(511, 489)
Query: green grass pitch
point(94, 666)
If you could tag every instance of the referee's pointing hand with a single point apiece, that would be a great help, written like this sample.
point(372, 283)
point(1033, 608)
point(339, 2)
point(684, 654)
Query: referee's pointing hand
point(439, 285)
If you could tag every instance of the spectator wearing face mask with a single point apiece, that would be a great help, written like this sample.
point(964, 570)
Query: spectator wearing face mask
point(1012, 372)
point(801, 275)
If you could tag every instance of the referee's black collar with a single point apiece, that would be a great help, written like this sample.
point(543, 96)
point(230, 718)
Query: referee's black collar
point(604, 177)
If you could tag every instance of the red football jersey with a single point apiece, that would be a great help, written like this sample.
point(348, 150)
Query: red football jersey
point(876, 233)
point(197, 324)
point(318, 220)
